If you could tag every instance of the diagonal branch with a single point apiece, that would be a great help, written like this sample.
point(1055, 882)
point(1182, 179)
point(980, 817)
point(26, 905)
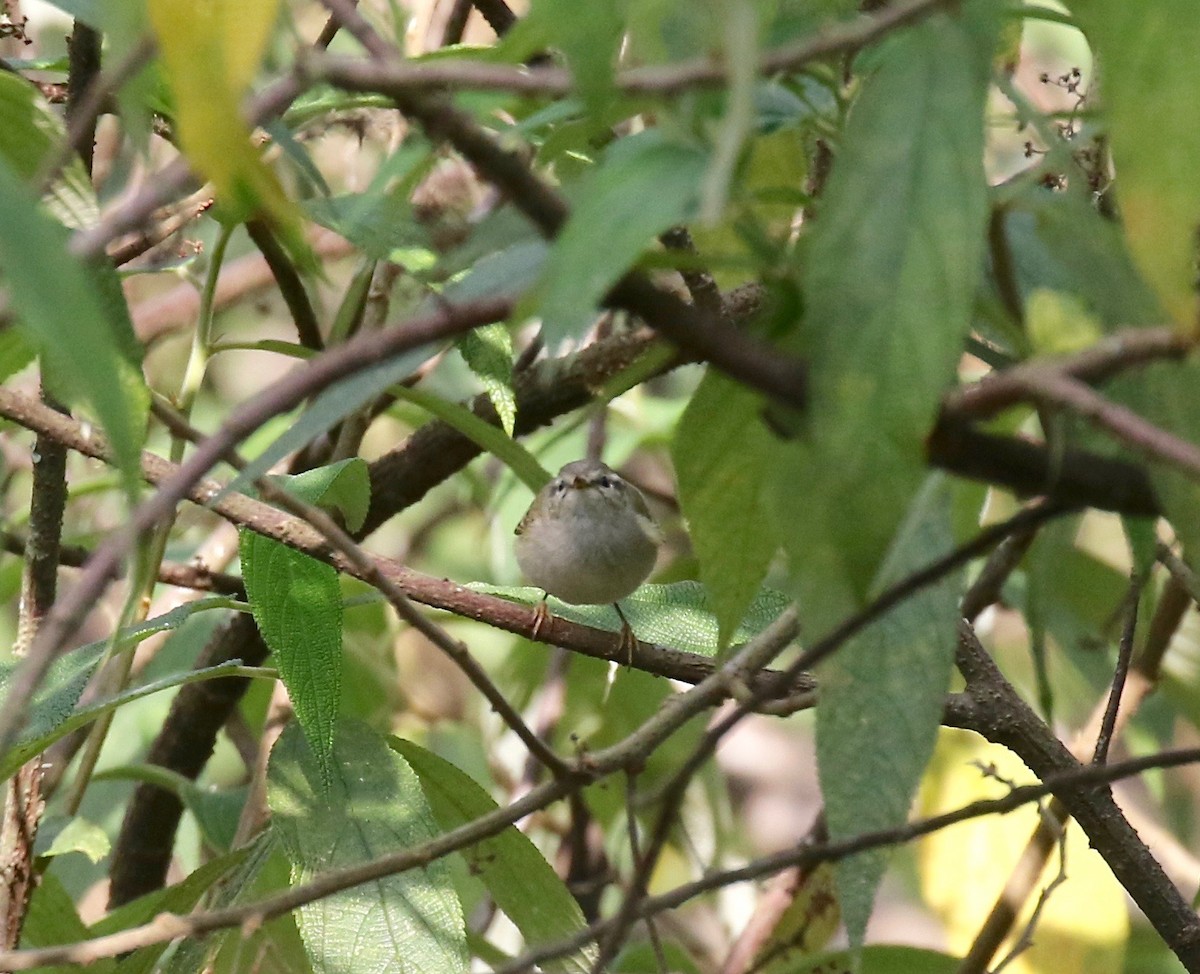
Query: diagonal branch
point(363, 350)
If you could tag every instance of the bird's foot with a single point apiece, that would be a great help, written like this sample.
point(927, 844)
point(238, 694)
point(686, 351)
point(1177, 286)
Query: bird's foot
point(628, 644)
point(541, 617)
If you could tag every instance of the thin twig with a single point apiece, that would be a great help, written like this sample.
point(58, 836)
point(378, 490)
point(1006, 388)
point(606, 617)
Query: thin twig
point(387, 71)
point(1108, 723)
point(1076, 780)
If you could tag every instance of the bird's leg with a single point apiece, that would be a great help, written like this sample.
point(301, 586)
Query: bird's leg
point(541, 617)
point(629, 642)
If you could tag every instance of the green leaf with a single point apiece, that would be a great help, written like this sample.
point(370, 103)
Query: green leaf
point(590, 36)
point(297, 603)
point(80, 835)
point(644, 185)
point(722, 455)
point(876, 959)
point(1151, 82)
point(55, 698)
point(1058, 242)
point(276, 943)
point(15, 353)
point(34, 743)
point(30, 135)
point(380, 219)
point(890, 279)
point(67, 311)
point(881, 703)
point(217, 813)
point(1166, 394)
point(679, 615)
point(52, 920)
point(179, 899)
point(407, 922)
point(488, 352)
point(517, 875)
point(343, 487)
point(504, 448)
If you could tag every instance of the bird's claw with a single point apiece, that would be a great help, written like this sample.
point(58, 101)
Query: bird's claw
point(541, 617)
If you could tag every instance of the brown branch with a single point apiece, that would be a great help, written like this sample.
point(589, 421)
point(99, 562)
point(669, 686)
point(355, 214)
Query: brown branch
point(387, 71)
point(178, 574)
point(86, 92)
point(1108, 357)
point(323, 370)
point(1055, 389)
point(1071, 477)
point(434, 592)
point(23, 799)
point(185, 745)
point(1001, 716)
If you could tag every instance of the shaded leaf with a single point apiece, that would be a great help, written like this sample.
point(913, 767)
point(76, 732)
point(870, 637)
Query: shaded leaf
point(722, 456)
point(30, 134)
point(644, 185)
point(179, 899)
point(67, 311)
point(329, 408)
point(881, 703)
point(297, 603)
point(890, 279)
point(34, 743)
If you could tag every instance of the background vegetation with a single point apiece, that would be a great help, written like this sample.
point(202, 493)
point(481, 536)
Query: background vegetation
point(889, 308)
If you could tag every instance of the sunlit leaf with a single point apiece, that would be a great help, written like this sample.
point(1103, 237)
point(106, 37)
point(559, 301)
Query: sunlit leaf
point(516, 874)
point(407, 922)
point(343, 488)
point(679, 615)
point(1084, 923)
point(488, 352)
point(210, 52)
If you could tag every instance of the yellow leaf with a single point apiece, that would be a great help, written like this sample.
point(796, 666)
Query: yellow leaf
point(1084, 924)
point(210, 51)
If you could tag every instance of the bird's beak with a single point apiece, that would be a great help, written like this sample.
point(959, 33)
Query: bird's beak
point(579, 483)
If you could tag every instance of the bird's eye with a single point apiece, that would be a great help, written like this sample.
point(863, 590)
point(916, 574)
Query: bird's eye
point(560, 486)
point(606, 481)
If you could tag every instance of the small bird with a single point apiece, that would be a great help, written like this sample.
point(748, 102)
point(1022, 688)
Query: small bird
point(588, 539)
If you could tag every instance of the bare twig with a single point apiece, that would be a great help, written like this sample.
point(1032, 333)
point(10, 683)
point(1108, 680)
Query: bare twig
point(1076, 780)
point(387, 72)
